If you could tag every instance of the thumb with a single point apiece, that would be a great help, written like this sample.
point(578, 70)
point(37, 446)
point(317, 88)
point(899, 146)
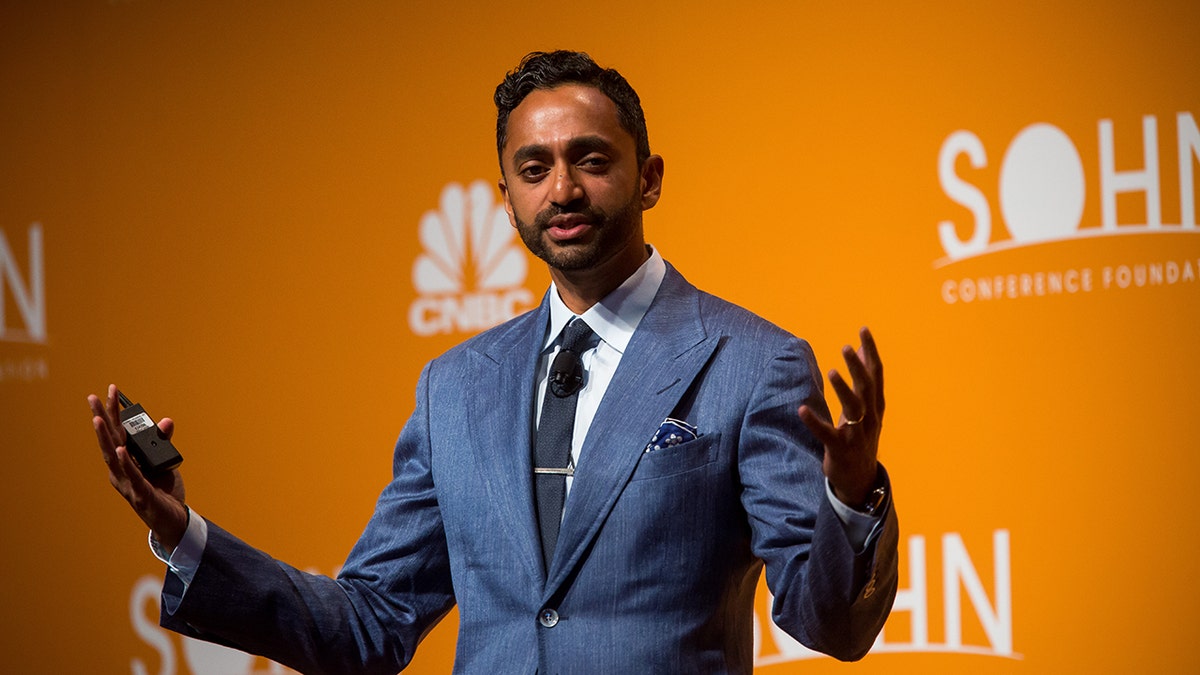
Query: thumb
point(166, 427)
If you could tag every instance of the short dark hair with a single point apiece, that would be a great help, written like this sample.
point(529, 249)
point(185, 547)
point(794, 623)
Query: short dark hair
point(547, 70)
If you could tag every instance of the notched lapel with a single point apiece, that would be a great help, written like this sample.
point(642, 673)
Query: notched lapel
point(666, 354)
point(500, 390)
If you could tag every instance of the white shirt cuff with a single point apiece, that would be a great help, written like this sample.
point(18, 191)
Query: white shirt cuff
point(859, 526)
point(185, 559)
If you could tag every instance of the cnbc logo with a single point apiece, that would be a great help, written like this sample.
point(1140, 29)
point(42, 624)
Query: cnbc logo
point(471, 273)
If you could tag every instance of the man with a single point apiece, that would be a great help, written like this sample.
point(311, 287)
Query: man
point(605, 496)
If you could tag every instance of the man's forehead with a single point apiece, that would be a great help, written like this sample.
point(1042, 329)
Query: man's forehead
point(580, 145)
point(566, 112)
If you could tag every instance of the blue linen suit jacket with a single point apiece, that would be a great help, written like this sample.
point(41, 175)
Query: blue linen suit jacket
point(659, 553)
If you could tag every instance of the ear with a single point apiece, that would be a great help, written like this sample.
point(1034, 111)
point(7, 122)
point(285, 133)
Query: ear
point(508, 208)
point(652, 177)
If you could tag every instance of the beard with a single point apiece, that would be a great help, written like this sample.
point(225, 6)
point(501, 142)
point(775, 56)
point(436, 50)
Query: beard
point(610, 234)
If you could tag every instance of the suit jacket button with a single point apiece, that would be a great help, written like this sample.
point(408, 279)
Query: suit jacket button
point(548, 618)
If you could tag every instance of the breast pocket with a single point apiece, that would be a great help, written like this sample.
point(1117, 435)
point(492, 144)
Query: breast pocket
point(678, 459)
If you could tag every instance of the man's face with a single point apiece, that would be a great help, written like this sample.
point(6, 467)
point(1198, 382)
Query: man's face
point(572, 185)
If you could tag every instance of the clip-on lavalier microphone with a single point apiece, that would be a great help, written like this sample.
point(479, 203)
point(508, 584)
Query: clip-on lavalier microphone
point(566, 373)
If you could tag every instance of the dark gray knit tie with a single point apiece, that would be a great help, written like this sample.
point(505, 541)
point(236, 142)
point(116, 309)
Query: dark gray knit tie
point(552, 449)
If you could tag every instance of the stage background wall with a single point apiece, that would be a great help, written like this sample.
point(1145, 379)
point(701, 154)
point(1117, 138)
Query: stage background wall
point(218, 204)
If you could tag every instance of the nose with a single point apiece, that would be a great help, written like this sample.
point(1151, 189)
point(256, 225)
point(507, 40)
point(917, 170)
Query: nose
point(565, 190)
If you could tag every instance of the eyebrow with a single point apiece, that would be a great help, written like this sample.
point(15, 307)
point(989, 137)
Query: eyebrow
point(584, 144)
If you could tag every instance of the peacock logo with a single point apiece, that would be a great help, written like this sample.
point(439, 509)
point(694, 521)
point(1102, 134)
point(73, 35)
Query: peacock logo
point(471, 273)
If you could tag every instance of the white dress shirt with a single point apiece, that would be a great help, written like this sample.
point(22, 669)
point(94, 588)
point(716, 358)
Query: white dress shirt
point(613, 319)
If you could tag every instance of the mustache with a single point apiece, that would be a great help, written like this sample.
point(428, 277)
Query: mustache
point(594, 215)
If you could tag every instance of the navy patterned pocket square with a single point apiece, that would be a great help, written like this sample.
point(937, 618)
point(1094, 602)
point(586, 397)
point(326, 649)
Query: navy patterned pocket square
point(671, 432)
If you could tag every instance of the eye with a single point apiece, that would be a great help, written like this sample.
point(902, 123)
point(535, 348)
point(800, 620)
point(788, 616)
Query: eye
point(594, 163)
point(534, 172)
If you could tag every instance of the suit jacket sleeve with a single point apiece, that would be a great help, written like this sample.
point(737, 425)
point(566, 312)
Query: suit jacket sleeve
point(394, 586)
point(826, 595)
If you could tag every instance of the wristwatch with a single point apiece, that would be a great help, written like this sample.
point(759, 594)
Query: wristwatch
point(875, 501)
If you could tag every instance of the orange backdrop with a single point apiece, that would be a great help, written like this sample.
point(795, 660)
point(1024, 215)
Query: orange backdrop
point(219, 205)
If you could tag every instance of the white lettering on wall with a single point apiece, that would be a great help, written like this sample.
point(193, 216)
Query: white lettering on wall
point(994, 612)
point(1042, 191)
point(1144, 180)
point(31, 297)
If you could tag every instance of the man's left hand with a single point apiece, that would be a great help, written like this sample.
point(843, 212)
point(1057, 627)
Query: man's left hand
point(851, 447)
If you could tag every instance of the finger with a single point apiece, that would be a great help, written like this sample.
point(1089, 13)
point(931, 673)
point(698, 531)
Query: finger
point(852, 405)
point(139, 490)
point(166, 427)
point(101, 423)
point(117, 473)
point(95, 406)
point(114, 415)
point(99, 412)
point(103, 438)
point(111, 403)
point(824, 432)
point(874, 364)
point(863, 382)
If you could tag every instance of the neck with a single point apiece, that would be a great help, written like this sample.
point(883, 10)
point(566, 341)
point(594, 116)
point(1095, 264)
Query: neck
point(580, 289)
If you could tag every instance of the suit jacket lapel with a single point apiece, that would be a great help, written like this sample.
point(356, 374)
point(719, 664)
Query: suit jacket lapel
point(501, 422)
point(667, 352)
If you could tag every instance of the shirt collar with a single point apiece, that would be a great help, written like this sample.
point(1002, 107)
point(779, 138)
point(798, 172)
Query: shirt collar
point(616, 316)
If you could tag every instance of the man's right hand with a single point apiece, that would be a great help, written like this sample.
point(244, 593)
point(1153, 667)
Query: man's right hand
point(158, 502)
